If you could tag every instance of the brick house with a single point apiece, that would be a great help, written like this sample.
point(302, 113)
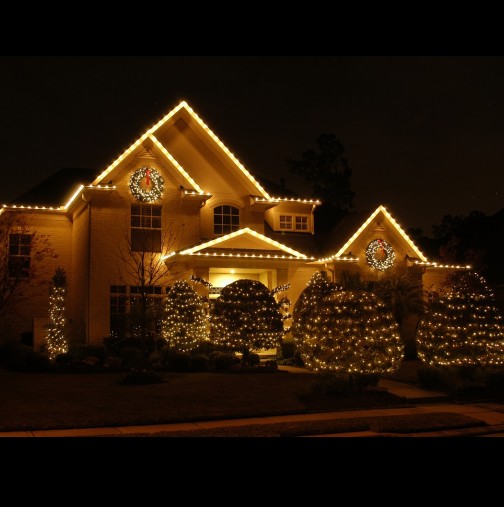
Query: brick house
point(179, 193)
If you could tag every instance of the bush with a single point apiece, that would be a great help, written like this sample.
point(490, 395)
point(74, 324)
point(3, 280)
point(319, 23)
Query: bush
point(298, 360)
point(410, 351)
point(200, 362)
point(36, 362)
point(332, 384)
point(177, 361)
point(271, 365)
point(363, 381)
point(82, 352)
point(494, 379)
point(15, 355)
point(436, 377)
point(288, 349)
point(223, 360)
point(251, 359)
point(63, 359)
point(112, 363)
point(141, 378)
point(131, 357)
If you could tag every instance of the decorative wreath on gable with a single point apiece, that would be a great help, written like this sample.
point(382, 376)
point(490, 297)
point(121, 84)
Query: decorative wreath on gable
point(146, 184)
point(380, 255)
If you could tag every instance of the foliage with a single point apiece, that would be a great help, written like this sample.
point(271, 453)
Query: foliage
point(402, 295)
point(245, 317)
point(145, 267)
point(185, 323)
point(351, 280)
point(15, 280)
point(200, 362)
point(437, 378)
point(251, 359)
point(474, 239)
point(327, 171)
point(317, 288)
point(223, 360)
point(176, 360)
point(55, 341)
point(463, 327)
point(351, 332)
point(131, 357)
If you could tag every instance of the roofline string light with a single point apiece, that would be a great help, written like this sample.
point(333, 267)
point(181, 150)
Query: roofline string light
point(394, 223)
point(245, 230)
point(438, 265)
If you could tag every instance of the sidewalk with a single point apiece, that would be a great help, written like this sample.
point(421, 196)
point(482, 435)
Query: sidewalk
point(425, 402)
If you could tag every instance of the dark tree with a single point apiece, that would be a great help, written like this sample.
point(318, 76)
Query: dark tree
point(475, 239)
point(327, 171)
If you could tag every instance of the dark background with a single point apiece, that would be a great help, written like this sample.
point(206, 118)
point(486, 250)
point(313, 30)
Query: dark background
point(423, 135)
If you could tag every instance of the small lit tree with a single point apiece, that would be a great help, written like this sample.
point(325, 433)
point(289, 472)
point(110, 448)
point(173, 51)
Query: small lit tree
point(317, 287)
point(351, 332)
point(185, 322)
point(463, 327)
point(245, 317)
point(55, 341)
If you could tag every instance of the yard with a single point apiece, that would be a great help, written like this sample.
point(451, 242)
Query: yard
point(44, 401)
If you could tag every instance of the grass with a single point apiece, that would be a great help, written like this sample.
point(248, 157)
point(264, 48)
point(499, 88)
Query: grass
point(402, 424)
point(54, 401)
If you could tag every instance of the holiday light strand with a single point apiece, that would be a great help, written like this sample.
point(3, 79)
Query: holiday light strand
point(156, 183)
point(246, 317)
point(380, 264)
point(351, 332)
point(185, 323)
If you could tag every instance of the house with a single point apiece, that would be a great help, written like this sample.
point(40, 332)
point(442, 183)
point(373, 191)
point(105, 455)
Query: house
point(178, 197)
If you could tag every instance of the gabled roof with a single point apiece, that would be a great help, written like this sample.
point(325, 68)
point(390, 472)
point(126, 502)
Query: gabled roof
point(150, 133)
point(54, 190)
point(347, 241)
point(243, 243)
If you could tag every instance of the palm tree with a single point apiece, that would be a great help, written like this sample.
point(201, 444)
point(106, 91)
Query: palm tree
point(404, 296)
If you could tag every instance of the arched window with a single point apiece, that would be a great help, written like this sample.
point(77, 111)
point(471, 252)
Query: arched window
point(226, 219)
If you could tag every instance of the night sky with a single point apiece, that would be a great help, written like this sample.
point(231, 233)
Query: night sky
point(423, 135)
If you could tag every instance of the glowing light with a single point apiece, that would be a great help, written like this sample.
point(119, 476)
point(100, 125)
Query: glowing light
point(185, 323)
point(181, 170)
point(373, 247)
point(157, 184)
point(246, 317)
point(246, 230)
point(394, 223)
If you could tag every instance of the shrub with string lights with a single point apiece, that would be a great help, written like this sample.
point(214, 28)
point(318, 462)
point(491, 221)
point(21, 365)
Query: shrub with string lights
point(245, 317)
point(351, 332)
point(55, 341)
point(185, 323)
point(463, 327)
point(317, 287)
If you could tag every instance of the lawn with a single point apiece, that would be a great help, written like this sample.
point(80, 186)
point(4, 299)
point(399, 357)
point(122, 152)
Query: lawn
point(45, 401)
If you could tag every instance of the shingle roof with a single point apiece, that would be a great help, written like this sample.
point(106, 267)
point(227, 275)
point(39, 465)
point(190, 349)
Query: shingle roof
point(54, 190)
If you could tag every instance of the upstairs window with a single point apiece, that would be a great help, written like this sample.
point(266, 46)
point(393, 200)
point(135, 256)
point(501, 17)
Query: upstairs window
point(19, 255)
point(301, 223)
point(145, 228)
point(226, 219)
point(286, 222)
point(293, 223)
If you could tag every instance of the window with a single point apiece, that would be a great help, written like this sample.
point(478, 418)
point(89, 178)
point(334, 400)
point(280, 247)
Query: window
point(145, 228)
point(126, 309)
point(226, 219)
point(19, 255)
point(286, 222)
point(301, 223)
point(293, 222)
point(118, 300)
